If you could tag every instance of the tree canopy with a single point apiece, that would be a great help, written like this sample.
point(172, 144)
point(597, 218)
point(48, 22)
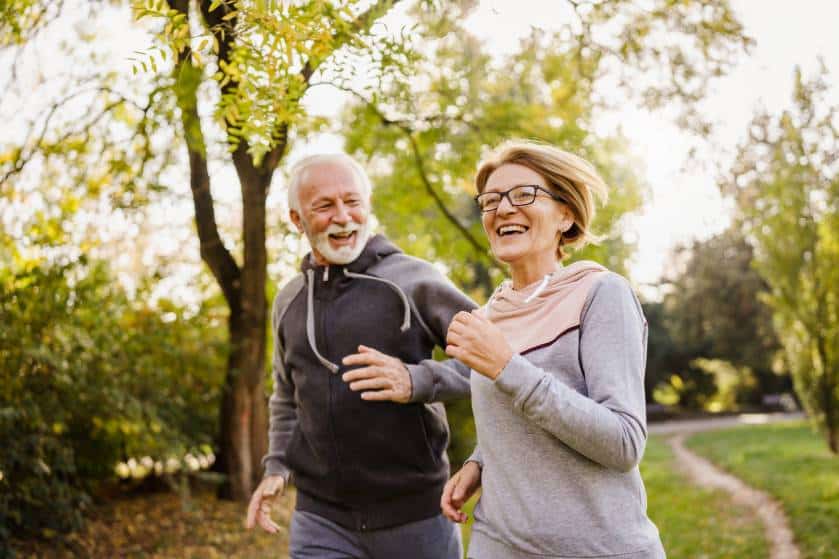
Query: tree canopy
point(786, 185)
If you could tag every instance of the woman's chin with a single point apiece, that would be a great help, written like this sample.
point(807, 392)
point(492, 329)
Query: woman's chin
point(507, 256)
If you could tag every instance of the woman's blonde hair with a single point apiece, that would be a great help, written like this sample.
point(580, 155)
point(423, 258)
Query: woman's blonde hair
point(570, 176)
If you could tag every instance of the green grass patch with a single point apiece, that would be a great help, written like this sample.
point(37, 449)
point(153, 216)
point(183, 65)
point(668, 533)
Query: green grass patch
point(466, 528)
point(696, 523)
point(793, 464)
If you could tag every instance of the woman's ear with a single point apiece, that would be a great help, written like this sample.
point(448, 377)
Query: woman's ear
point(567, 221)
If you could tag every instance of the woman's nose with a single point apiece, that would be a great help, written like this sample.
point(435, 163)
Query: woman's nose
point(505, 207)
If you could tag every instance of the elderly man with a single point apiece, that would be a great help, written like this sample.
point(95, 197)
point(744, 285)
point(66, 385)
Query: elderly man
point(355, 416)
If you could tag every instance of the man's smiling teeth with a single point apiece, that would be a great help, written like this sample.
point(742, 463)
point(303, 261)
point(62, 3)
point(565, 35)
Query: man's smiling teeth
point(511, 229)
point(342, 235)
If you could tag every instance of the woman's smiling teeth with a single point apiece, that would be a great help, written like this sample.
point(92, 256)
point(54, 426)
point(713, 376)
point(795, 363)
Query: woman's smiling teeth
point(514, 229)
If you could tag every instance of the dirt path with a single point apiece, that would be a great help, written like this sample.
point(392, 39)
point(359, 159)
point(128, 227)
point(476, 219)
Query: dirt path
point(704, 473)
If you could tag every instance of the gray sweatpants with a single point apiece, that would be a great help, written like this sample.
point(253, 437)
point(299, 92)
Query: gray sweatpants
point(314, 537)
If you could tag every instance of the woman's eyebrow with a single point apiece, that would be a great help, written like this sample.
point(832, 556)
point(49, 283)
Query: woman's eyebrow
point(509, 187)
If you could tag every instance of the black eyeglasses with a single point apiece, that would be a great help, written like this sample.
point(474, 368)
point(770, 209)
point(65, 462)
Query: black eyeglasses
point(521, 195)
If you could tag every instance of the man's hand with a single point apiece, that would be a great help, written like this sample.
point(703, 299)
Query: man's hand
point(381, 377)
point(474, 340)
point(458, 489)
point(264, 497)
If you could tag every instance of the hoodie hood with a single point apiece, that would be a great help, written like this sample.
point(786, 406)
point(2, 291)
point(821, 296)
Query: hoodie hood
point(540, 313)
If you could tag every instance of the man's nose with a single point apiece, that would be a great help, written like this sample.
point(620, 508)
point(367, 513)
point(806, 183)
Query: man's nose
point(342, 214)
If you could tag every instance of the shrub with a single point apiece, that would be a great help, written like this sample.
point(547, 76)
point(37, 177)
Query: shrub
point(89, 377)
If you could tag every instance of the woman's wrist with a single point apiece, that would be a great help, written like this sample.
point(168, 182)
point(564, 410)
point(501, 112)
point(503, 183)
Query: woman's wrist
point(504, 361)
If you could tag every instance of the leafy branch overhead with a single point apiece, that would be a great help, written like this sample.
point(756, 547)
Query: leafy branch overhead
point(265, 54)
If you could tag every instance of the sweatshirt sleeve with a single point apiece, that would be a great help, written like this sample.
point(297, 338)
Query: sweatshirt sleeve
point(437, 300)
point(608, 425)
point(476, 457)
point(438, 381)
point(282, 410)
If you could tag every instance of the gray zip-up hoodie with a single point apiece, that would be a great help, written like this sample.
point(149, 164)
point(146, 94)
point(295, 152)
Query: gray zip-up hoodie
point(560, 434)
point(363, 464)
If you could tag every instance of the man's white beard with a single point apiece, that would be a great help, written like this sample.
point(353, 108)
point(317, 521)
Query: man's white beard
point(343, 255)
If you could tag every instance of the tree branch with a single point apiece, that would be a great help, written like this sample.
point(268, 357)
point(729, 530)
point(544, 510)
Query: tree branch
point(420, 163)
point(361, 23)
point(21, 160)
point(213, 251)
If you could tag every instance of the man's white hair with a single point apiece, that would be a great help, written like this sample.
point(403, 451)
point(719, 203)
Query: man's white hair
point(342, 158)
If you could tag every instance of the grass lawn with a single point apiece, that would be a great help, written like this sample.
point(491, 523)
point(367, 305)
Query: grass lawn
point(466, 529)
point(793, 464)
point(694, 523)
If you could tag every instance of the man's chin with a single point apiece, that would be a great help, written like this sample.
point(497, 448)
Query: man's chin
point(343, 255)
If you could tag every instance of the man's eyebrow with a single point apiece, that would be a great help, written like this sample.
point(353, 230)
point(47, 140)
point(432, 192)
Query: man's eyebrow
point(321, 200)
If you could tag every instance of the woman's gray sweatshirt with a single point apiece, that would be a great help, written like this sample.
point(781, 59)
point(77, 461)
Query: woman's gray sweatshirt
point(560, 434)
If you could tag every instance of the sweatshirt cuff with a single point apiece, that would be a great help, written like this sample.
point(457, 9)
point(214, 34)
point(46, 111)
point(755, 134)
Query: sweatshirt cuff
point(422, 383)
point(276, 468)
point(519, 377)
point(476, 458)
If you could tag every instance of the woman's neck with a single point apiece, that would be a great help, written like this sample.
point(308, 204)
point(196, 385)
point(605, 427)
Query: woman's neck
point(529, 272)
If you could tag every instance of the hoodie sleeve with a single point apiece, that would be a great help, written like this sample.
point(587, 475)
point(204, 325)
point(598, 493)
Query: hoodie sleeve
point(437, 300)
point(609, 424)
point(282, 409)
point(438, 381)
point(434, 300)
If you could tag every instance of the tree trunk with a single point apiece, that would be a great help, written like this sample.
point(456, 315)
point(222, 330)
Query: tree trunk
point(243, 415)
point(243, 428)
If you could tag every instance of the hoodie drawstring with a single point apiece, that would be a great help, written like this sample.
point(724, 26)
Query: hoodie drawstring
point(310, 313)
point(406, 321)
point(310, 323)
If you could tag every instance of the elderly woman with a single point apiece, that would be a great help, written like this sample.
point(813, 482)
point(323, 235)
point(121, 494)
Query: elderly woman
point(558, 394)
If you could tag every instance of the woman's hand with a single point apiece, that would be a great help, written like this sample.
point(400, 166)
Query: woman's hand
point(458, 489)
point(477, 342)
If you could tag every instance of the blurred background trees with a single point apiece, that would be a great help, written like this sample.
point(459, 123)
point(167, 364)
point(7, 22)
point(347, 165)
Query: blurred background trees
point(712, 345)
point(117, 343)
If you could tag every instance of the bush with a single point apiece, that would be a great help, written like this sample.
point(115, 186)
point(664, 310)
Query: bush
point(89, 378)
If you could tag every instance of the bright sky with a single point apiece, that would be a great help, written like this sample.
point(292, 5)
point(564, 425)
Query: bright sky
point(682, 205)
